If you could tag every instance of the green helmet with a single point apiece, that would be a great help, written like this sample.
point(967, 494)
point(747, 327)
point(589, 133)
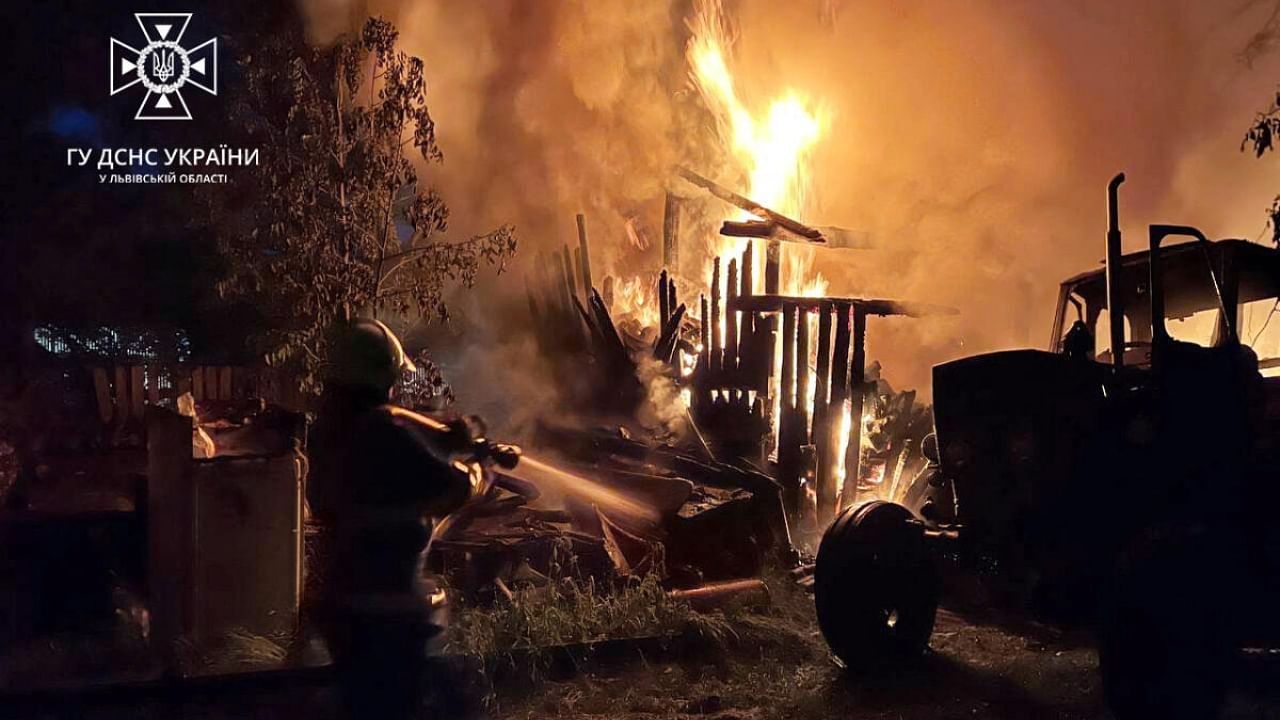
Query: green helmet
point(365, 353)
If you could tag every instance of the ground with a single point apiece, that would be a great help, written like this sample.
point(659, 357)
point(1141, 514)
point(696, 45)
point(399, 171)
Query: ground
point(772, 664)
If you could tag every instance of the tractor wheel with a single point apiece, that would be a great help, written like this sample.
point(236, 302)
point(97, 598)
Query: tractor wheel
point(1164, 646)
point(875, 586)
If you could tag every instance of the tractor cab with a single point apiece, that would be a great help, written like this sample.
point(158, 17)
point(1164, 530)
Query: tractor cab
point(1250, 284)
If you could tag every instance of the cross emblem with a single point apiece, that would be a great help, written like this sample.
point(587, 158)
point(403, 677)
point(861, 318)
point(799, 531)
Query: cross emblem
point(164, 66)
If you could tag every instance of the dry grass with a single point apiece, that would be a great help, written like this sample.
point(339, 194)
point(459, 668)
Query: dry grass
point(571, 611)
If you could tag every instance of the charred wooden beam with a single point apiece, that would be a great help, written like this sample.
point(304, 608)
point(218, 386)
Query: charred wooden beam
point(664, 307)
point(731, 320)
point(788, 443)
point(803, 378)
point(869, 306)
point(717, 354)
point(773, 268)
point(577, 267)
point(535, 314)
point(760, 211)
point(839, 393)
point(665, 347)
point(585, 265)
point(570, 272)
point(823, 432)
point(857, 394)
point(671, 233)
point(706, 334)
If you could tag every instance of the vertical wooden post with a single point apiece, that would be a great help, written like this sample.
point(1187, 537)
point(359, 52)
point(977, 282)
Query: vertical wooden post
point(571, 285)
point(102, 390)
point(577, 267)
point(586, 255)
point(664, 307)
point(825, 475)
point(706, 335)
point(153, 384)
point(717, 355)
point(803, 378)
point(672, 305)
point(748, 342)
point(788, 444)
point(839, 393)
point(136, 392)
point(773, 267)
point(731, 320)
point(857, 393)
point(224, 383)
point(671, 234)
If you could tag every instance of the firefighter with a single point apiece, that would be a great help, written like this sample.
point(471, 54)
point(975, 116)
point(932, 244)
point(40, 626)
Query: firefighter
point(380, 476)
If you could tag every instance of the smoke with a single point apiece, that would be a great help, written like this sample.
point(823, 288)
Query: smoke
point(973, 141)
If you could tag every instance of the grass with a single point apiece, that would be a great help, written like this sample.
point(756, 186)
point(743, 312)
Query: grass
point(570, 611)
point(234, 651)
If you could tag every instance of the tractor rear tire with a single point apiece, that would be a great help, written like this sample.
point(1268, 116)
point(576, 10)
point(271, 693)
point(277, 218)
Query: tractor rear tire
point(876, 586)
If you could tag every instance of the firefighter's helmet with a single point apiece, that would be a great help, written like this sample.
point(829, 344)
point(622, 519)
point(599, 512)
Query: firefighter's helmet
point(365, 353)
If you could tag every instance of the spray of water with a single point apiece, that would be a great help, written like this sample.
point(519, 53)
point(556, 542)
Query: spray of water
point(551, 478)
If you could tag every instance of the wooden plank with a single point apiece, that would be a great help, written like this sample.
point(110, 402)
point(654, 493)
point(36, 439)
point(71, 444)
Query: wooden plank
point(586, 256)
point(717, 355)
point(772, 269)
point(839, 393)
point(153, 384)
point(671, 293)
point(664, 300)
point(803, 377)
point(102, 391)
point(224, 383)
point(731, 320)
point(857, 393)
point(706, 330)
point(788, 446)
point(825, 476)
point(797, 228)
point(570, 272)
point(137, 389)
point(671, 233)
point(577, 267)
point(770, 302)
point(197, 383)
point(120, 394)
point(211, 383)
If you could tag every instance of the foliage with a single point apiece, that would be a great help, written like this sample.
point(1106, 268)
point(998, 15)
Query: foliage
point(569, 611)
point(1261, 139)
point(338, 222)
point(426, 389)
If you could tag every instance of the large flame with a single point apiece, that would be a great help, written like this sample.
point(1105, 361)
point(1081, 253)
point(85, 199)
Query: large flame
point(773, 147)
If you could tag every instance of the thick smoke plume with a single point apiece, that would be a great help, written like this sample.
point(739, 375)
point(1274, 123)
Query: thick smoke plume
point(972, 141)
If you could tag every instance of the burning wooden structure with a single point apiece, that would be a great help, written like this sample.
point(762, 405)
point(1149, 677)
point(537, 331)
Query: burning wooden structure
point(816, 442)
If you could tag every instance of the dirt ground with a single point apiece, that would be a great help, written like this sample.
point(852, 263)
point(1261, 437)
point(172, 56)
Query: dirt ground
point(773, 664)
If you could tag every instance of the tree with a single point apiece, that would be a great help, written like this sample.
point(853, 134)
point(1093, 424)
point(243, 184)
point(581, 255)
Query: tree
point(1261, 139)
point(337, 221)
point(1264, 131)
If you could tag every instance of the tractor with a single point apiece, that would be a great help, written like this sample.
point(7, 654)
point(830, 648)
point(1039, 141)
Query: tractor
point(1123, 480)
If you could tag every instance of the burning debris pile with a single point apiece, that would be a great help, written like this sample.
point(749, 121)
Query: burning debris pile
point(628, 510)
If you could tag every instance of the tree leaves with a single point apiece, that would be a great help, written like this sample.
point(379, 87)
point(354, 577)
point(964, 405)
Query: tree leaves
point(337, 223)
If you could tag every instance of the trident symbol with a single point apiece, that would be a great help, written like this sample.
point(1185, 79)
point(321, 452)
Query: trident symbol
point(162, 65)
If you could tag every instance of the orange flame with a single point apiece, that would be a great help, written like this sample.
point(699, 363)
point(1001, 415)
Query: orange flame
point(773, 147)
point(635, 299)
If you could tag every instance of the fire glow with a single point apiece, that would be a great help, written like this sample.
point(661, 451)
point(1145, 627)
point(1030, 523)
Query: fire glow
point(773, 147)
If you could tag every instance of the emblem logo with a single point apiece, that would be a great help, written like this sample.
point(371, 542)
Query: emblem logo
point(164, 66)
